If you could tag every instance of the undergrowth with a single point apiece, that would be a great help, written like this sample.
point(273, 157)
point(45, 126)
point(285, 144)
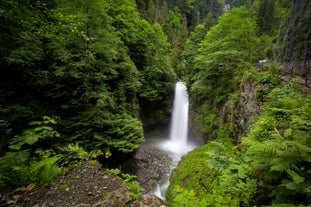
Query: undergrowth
point(130, 182)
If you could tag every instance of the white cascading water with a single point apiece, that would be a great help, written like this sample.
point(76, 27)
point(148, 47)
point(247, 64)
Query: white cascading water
point(177, 145)
point(179, 124)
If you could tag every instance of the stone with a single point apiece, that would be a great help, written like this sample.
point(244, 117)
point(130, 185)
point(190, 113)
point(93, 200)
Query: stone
point(83, 205)
point(150, 164)
point(248, 106)
point(148, 200)
point(117, 198)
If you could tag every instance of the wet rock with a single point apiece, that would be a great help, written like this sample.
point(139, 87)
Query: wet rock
point(150, 164)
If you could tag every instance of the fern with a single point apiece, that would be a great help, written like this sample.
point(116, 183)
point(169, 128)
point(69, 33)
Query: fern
point(186, 197)
point(279, 144)
point(73, 154)
point(130, 182)
point(44, 171)
point(26, 164)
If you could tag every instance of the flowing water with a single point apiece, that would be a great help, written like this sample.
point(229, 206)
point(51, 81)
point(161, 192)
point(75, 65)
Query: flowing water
point(178, 143)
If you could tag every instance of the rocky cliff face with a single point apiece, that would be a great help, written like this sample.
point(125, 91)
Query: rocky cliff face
point(248, 106)
point(294, 41)
point(242, 106)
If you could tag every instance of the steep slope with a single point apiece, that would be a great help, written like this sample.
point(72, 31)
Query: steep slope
point(295, 40)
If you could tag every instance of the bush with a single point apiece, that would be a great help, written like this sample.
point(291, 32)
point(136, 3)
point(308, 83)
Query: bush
point(131, 184)
point(25, 164)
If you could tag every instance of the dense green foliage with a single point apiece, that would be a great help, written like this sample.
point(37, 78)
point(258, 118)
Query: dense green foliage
point(279, 143)
point(130, 182)
point(93, 65)
point(27, 163)
point(85, 62)
point(227, 50)
point(96, 71)
point(270, 165)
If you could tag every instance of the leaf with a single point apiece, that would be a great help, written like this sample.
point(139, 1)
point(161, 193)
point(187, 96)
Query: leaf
point(288, 133)
point(17, 146)
point(31, 138)
point(295, 176)
point(41, 128)
point(291, 185)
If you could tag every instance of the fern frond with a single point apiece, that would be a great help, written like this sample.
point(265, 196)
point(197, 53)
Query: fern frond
point(4, 178)
point(48, 162)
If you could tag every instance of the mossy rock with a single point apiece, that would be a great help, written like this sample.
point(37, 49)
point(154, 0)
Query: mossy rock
point(192, 173)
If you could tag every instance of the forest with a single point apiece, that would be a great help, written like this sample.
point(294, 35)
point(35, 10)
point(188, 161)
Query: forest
point(83, 79)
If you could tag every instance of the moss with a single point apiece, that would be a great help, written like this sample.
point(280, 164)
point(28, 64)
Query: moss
point(196, 171)
point(93, 162)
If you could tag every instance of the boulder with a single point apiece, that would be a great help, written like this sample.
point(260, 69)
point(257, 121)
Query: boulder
point(148, 200)
point(117, 198)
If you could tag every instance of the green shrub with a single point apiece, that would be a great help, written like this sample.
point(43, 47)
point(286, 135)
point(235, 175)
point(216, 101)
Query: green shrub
point(20, 169)
point(279, 145)
point(26, 164)
point(130, 182)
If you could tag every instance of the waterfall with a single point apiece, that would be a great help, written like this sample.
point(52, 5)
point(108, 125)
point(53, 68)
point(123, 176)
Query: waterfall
point(179, 123)
point(177, 145)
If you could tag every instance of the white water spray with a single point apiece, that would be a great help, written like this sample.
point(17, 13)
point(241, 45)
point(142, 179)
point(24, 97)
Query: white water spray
point(177, 145)
point(179, 125)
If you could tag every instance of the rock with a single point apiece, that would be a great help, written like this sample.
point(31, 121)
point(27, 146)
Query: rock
point(150, 164)
point(95, 187)
point(117, 198)
point(83, 205)
point(248, 106)
point(82, 186)
point(148, 200)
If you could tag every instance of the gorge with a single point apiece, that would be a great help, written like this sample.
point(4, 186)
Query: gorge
point(84, 83)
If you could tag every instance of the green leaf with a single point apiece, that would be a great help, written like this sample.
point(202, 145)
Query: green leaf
point(41, 128)
point(288, 133)
point(295, 176)
point(31, 138)
point(291, 185)
point(17, 146)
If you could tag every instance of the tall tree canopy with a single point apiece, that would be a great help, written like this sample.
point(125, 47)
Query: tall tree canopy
point(226, 51)
point(87, 62)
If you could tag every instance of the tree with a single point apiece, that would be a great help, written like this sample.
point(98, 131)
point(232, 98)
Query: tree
point(175, 28)
point(21, 59)
point(226, 51)
point(72, 62)
point(94, 82)
point(266, 17)
point(191, 52)
point(238, 3)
